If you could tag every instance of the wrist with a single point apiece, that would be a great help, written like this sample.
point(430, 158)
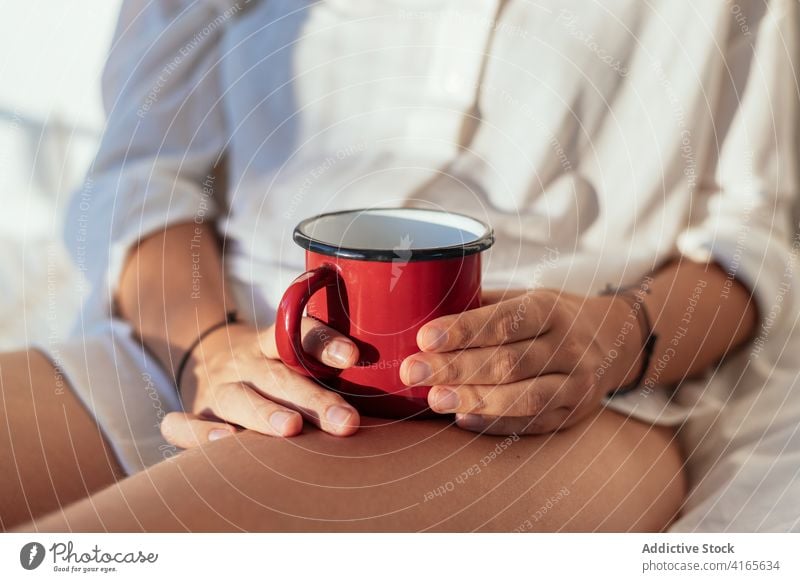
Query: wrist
point(204, 345)
point(226, 340)
point(622, 339)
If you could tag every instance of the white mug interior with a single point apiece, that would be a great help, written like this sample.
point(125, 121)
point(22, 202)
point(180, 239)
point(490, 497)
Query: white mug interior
point(390, 229)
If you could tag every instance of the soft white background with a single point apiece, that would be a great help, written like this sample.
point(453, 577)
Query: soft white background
point(50, 119)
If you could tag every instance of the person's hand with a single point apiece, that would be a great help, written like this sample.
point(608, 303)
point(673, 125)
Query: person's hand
point(235, 379)
point(526, 362)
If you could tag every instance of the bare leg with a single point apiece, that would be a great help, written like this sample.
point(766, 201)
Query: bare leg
point(51, 450)
point(608, 473)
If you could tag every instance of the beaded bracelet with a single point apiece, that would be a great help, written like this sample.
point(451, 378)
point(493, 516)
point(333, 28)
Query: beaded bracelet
point(645, 324)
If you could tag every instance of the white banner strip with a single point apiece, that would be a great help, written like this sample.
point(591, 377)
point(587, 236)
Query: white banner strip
point(401, 557)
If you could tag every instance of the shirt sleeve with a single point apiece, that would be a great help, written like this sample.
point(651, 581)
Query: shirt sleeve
point(746, 223)
point(163, 136)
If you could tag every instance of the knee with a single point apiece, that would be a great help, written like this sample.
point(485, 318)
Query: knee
point(608, 474)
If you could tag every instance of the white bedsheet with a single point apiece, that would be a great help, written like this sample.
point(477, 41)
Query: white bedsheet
point(745, 471)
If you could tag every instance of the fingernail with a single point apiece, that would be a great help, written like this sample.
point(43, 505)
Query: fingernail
point(433, 337)
point(339, 351)
point(279, 420)
point(339, 415)
point(470, 421)
point(445, 400)
point(418, 372)
point(219, 433)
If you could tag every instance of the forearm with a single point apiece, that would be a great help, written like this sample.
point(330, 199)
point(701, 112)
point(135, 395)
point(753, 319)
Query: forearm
point(172, 289)
point(698, 314)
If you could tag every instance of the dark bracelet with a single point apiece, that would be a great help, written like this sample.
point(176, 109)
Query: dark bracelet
point(649, 345)
point(230, 318)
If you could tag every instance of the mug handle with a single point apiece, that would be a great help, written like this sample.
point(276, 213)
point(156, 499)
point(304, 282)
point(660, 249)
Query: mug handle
point(289, 318)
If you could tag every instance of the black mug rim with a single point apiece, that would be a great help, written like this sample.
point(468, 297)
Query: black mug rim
point(309, 243)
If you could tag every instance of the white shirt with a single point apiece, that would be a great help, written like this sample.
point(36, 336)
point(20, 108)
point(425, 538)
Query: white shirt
point(607, 137)
point(597, 139)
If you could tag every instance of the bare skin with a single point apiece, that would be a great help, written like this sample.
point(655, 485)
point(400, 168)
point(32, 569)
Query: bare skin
point(51, 451)
point(620, 474)
point(606, 473)
point(526, 362)
point(617, 473)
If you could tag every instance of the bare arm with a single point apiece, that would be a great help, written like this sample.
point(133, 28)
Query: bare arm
point(700, 314)
point(171, 291)
point(541, 360)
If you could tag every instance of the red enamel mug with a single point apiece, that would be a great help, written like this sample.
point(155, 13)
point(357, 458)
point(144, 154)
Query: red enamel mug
point(378, 275)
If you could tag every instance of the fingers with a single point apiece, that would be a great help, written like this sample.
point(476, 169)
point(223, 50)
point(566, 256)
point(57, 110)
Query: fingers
point(526, 398)
point(240, 404)
point(494, 365)
point(547, 422)
point(518, 318)
point(320, 406)
point(320, 341)
point(186, 430)
point(492, 296)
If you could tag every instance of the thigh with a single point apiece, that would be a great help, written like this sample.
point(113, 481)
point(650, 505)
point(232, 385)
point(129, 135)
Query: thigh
point(51, 450)
point(607, 473)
